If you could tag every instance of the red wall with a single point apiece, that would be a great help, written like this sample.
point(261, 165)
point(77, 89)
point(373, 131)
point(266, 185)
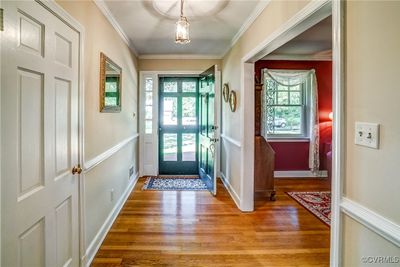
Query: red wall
point(294, 155)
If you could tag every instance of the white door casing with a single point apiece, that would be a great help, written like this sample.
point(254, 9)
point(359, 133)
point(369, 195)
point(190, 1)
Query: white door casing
point(148, 164)
point(40, 76)
point(148, 141)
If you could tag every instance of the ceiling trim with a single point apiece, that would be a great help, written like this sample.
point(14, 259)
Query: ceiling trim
point(179, 56)
point(299, 57)
point(107, 13)
point(245, 26)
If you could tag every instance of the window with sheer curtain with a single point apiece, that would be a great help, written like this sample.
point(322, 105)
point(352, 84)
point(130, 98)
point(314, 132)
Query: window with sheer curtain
point(286, 100)
point(290, 108)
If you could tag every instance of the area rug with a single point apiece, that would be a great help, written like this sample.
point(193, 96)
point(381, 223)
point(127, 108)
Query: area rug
point(318, 203)
point(179, 184)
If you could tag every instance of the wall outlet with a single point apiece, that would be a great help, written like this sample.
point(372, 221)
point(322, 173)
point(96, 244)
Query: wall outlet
point(367, 134)
point(131, 172)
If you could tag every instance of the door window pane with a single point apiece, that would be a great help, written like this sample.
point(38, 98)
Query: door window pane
point(203, 113)
point(189, 111)
point(170, 87)
point(188, 147)
point(189, 87)
point(149, 98)
point(170, 112)
point(149, 84)
point(149, 126)
point(149, 112)
point(170, 151)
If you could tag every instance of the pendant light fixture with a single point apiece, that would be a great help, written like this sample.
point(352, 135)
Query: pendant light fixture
point(182, 29)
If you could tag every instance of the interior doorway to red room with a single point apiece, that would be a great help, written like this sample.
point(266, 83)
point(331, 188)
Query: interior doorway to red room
point(293, 123)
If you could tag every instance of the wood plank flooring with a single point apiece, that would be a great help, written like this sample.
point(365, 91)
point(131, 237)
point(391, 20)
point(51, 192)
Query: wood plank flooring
point(169, 228)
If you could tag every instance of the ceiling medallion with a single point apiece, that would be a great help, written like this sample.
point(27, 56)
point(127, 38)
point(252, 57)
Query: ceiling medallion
point(196, 10)
point(182, 29)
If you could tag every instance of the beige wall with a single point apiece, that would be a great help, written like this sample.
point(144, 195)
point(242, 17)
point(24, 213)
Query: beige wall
point(273, 16)
point(177, 64)
point(105, 130)
point(372, 95)
point(360, 242)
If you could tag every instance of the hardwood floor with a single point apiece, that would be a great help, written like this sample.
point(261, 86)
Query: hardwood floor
point(169, 228)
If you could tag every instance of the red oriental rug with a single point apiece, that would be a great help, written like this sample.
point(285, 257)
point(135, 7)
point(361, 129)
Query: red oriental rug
point(318, 203)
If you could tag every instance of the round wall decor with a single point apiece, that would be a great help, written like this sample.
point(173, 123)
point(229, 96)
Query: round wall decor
point(225, 92)
point(232, 101)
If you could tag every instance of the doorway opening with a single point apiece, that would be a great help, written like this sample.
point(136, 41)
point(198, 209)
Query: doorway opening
point(178, 125)
point(303, 21)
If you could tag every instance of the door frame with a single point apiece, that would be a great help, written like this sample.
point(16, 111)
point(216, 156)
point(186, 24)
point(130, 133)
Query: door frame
point(155, 75)
point(309, 16)
point(179, 128)
point(63, 15)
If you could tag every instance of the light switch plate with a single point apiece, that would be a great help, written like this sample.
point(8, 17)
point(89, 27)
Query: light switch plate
point(367, 134)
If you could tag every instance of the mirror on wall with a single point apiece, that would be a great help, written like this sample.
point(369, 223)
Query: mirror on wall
point(110, 85)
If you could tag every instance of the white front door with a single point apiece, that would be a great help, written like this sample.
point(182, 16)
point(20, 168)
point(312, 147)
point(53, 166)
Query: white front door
point(39, 134)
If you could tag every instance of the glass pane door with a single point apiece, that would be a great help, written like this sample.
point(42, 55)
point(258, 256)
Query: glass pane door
point(178, 137)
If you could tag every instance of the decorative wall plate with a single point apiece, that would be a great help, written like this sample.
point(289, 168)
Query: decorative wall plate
point(225, 92)
point(232, 101)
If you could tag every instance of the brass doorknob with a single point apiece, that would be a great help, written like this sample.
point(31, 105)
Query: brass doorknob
point(76, 169)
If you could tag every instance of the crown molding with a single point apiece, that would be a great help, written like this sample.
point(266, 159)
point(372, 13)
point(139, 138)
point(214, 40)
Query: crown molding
point(298, 57)
point(107, 13)
point(179, 56)
point(253, 16)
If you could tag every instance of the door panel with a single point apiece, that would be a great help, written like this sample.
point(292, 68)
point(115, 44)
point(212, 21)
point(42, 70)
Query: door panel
point(39, 131)
point(208, 137)
point(178, 126)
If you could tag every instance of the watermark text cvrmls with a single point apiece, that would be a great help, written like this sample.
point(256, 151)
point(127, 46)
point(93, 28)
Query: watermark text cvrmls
point(381, 259)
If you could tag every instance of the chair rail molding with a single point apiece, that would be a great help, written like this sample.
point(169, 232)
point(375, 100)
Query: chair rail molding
point(231, 140)
point(90, 164)
point(372, 220)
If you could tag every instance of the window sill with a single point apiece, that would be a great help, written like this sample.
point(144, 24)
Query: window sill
point(288, 140)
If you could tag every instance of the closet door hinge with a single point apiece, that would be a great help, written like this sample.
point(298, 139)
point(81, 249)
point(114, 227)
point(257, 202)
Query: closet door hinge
point(1, 20)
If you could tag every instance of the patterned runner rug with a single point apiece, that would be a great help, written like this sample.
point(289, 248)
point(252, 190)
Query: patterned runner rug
point(178, 184)
point(318, 203)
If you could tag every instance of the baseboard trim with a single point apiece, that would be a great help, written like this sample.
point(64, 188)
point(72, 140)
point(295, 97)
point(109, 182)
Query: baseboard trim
point(372, 220)
point(230, 189)
point(101, 234)
point(90, 164)
point(300, 174)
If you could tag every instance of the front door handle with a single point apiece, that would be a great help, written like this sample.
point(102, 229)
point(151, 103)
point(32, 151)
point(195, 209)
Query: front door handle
point(76, 169)
point(212, 149)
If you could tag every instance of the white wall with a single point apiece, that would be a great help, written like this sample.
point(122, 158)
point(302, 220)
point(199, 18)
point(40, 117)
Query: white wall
point(103, 131)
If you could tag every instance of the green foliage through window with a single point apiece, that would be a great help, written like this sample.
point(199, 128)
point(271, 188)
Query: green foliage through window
point(284, 107)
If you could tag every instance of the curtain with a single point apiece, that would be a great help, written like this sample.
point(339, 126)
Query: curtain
point(293, 78)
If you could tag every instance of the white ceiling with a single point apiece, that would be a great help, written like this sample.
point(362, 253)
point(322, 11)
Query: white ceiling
point(315, 43)
point(149, 25)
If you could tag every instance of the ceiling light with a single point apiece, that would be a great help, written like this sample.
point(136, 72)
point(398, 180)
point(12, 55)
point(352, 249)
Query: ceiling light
point(182, 29)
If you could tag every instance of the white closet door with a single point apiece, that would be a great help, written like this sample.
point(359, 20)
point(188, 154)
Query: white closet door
point(39, 94)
